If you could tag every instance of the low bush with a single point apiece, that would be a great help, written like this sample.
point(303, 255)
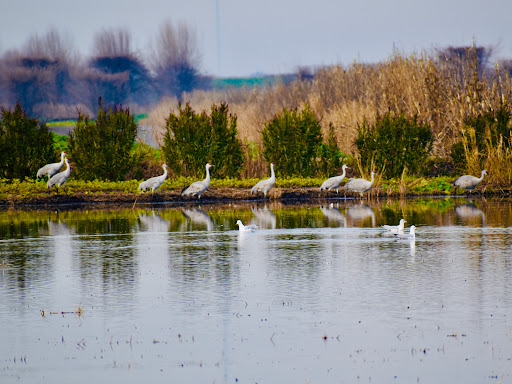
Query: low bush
point(331, 157)
point(25, 144)
point(102, 148)
point(394, 143)
point(191, 140)
point(293, 141)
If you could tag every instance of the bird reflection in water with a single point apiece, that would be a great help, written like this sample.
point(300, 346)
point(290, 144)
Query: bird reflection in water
point(198, 216)
point(58, 228)
point(469, 211)
point(265, 218)
point(361, 212)
point(333, 214)
point(153, 222)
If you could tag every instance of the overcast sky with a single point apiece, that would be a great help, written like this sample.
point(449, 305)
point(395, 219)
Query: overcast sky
point(272, 36)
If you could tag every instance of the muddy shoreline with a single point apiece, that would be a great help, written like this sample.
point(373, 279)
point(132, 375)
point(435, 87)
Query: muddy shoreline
point(214, 195)
point(217, 195)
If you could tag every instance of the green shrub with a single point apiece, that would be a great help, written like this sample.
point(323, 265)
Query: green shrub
point(393, 143)
point(331, 157)
point(25, 144)
point(191, 140)
point(292, 141)
point(60, 142)
point(102, 148)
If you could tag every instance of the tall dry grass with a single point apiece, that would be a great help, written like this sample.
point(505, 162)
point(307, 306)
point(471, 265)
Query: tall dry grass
point(440, 92)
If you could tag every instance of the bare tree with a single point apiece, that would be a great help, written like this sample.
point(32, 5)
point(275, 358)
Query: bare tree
point(40, 73)
point(113, 43)
point(175, 58)
point(118, 75)
point(52, 45)
point(175, 44)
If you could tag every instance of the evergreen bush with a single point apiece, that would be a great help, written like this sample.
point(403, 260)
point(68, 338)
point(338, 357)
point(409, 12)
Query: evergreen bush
point(102, 148)
point(191, 140)
point(25, 144)
point(394, 142)
point(292, 140)
point(332, 158)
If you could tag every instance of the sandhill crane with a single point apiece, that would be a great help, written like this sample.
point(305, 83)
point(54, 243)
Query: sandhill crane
point(469, 182)
point(265, 185)
point(60, 178)
point(199, 187)
point(246, 228)
point(360, 185)
point(396, 228)
point(51, 169)
point(154, 182)
point(334, 182)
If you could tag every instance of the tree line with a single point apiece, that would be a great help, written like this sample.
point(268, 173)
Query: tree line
point(50, 80)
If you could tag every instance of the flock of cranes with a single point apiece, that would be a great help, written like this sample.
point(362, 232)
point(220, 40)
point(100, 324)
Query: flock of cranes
point(355, 185)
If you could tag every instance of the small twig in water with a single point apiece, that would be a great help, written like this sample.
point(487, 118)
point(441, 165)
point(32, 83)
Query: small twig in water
point(272, 338)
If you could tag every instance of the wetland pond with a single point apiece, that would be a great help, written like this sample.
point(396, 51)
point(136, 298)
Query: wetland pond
point(320, 293)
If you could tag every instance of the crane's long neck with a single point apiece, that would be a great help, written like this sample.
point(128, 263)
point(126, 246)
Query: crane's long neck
point(344, 173)
point(207, 180)
point(482, 176)
point(62, 156)
point(372, 179)
point(272, 174)
point(165, 173)
point(68, 169)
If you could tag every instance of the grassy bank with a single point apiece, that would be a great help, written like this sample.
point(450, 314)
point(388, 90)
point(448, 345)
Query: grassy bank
point(14, 192)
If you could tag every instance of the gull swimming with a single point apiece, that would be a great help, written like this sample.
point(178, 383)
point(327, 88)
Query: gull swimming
point(246, 228)
point(396, 228)
point(411, 235)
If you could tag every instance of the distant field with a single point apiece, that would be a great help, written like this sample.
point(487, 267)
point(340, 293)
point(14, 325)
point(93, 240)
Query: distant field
point(250, 82)
point(71, 123)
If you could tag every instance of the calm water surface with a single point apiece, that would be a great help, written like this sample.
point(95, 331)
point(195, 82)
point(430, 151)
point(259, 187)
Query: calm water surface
point(319, 294)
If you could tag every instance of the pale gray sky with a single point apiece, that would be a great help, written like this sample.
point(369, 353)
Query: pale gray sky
point(273, 36)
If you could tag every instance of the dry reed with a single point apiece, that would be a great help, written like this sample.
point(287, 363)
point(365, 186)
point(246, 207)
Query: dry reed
point(440, 92)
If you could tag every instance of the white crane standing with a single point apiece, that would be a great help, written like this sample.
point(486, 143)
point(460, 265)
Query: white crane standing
point(265, 185)
point(469, 182)
point(51, 169)
point(360, 185)
point(154, 182)
point(334, 182)
point(199, 187)
point(60, 178)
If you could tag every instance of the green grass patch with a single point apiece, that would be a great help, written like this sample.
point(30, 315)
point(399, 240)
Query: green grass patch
point(31, 187)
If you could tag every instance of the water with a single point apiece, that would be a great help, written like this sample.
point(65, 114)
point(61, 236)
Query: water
point(319, 294)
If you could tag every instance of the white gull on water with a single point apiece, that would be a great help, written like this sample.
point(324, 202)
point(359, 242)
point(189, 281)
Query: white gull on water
point(246, 228)
point(396, 228)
